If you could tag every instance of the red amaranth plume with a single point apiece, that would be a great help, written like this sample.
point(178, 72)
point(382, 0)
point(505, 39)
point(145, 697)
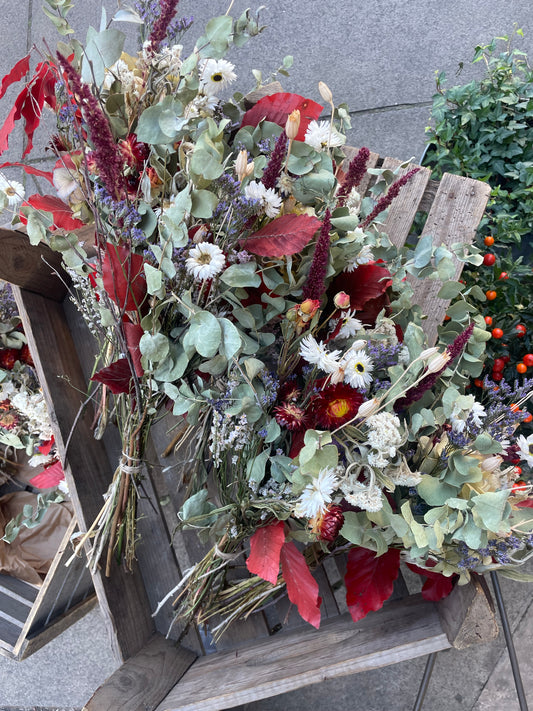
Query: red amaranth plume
point(414, 394)
point(273, 168)
point(314, 286)
point(354, 175)
point(386, 200)
point(106, 153)
point(159, 30)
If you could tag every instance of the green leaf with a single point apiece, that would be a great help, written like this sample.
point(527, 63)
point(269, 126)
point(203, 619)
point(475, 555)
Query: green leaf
point(255, 468)
point(154, 281)
point(102, 50)
point(217, 37)
point(355, 527)
point(36, 230)
point(205, 334)
point(241, 275)
point(154, 347)
point(196, 506)
point(435, 492)
point(203, 203)
point(486, 445)
point(231, 339)
point(450, 290)
point(423, 251)
point(490, 508)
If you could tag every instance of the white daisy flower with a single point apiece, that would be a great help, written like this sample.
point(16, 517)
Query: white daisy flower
point(526, 448)
point(205, 261)
point(357, 367)
point(268, 198)
point(317, 495)
point(365, 256)
point(13, 190)
point(350, 326)
point(321, 135)
point(201, 106)
point(317, 354)
point(216, 75)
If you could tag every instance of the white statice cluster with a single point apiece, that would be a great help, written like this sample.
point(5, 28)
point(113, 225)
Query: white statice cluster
point(367, 496)
point(33, 409)
point(168, 60)
point(120, 71)
point(317, 495)
point(402, 475)
point(228, 435)
point(267, 198)
point(384, 438)
point(353, 367)
point(321, 135)
point(353, 203)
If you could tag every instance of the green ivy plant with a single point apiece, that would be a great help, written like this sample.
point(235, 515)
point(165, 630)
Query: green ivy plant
point(483, 130)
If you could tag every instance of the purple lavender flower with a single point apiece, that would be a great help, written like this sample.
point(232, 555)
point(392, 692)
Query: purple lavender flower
point(385, 201)
point(273, 168)
point(315, 286)
point(354, 175)
point(106, 153)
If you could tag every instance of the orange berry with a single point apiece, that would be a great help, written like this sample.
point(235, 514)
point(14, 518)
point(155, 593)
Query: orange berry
point(497, 333)
point(528, 418)
point(478, 383)
point(514, 407)
point(489, 259)
point(447, 318)
point(504, 275)
point(491, 294)
point(488, 320)
point(521, 367)
point(520, 330)
point(528, 359)
point(489, 240)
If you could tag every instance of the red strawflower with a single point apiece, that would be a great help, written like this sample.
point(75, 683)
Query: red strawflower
point(9, 420)
point(135, 152)
point(335, 405)
point(330, 523)
point(289, 391)
point(290, 416)
point(25, 355)
point(8, 358)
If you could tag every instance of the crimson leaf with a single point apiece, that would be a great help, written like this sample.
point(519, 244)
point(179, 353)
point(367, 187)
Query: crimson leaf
point(265, 549)
point(133, 333)
point(277, 107)
point(116, 376)
point(49, 477)
point(369, 580)
point(436, 586)
point(302, 588)
point(61, 212)
point(31, 170)
point(123, 277)
point(282, 237)
point(21, 68)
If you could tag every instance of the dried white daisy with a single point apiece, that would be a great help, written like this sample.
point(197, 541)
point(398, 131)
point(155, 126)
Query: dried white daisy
point(205, 261)
point(216, 75)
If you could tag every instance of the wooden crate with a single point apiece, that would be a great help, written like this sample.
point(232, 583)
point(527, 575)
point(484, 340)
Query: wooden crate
point(254, 660)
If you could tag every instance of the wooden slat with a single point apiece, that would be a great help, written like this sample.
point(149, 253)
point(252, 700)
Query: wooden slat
point(31, 268)
point(122, 596)
point(454, 217)
point(467, 615)
point(13, 609)
point(9, 635)
point(288, 661)
point(142, 682)
point(18, 588)
point(404, 207)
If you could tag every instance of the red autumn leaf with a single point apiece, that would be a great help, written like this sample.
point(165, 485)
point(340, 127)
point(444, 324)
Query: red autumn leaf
point(302, 588)
point(61, 212)
point(116, 376)
point(436, 586)
point(29, 104)
point(31, 170)
point(277, 107)
point(526, 503)
point(366, 282)
point(123, 277)
point(265, 549)
point(49, 477)
point(21, 68)
point(45, 447)
point(133, 333)
point(282, 237)
point(369, 580)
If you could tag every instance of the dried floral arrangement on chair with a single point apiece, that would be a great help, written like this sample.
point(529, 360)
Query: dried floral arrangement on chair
point(238, 277)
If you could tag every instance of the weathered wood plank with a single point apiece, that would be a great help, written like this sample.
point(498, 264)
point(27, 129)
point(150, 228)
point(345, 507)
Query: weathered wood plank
point(454, 216)
point(122, 596)
point(401, 630)
point(18, 589)
point(403, 209)
point(467, 614)
point(31, 268)
point(142, 682)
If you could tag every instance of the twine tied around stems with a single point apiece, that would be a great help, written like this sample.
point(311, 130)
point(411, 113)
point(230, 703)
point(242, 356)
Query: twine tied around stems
point(131, 469)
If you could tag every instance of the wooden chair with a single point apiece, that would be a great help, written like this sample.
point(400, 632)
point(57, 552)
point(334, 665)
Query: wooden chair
point(253, 660)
